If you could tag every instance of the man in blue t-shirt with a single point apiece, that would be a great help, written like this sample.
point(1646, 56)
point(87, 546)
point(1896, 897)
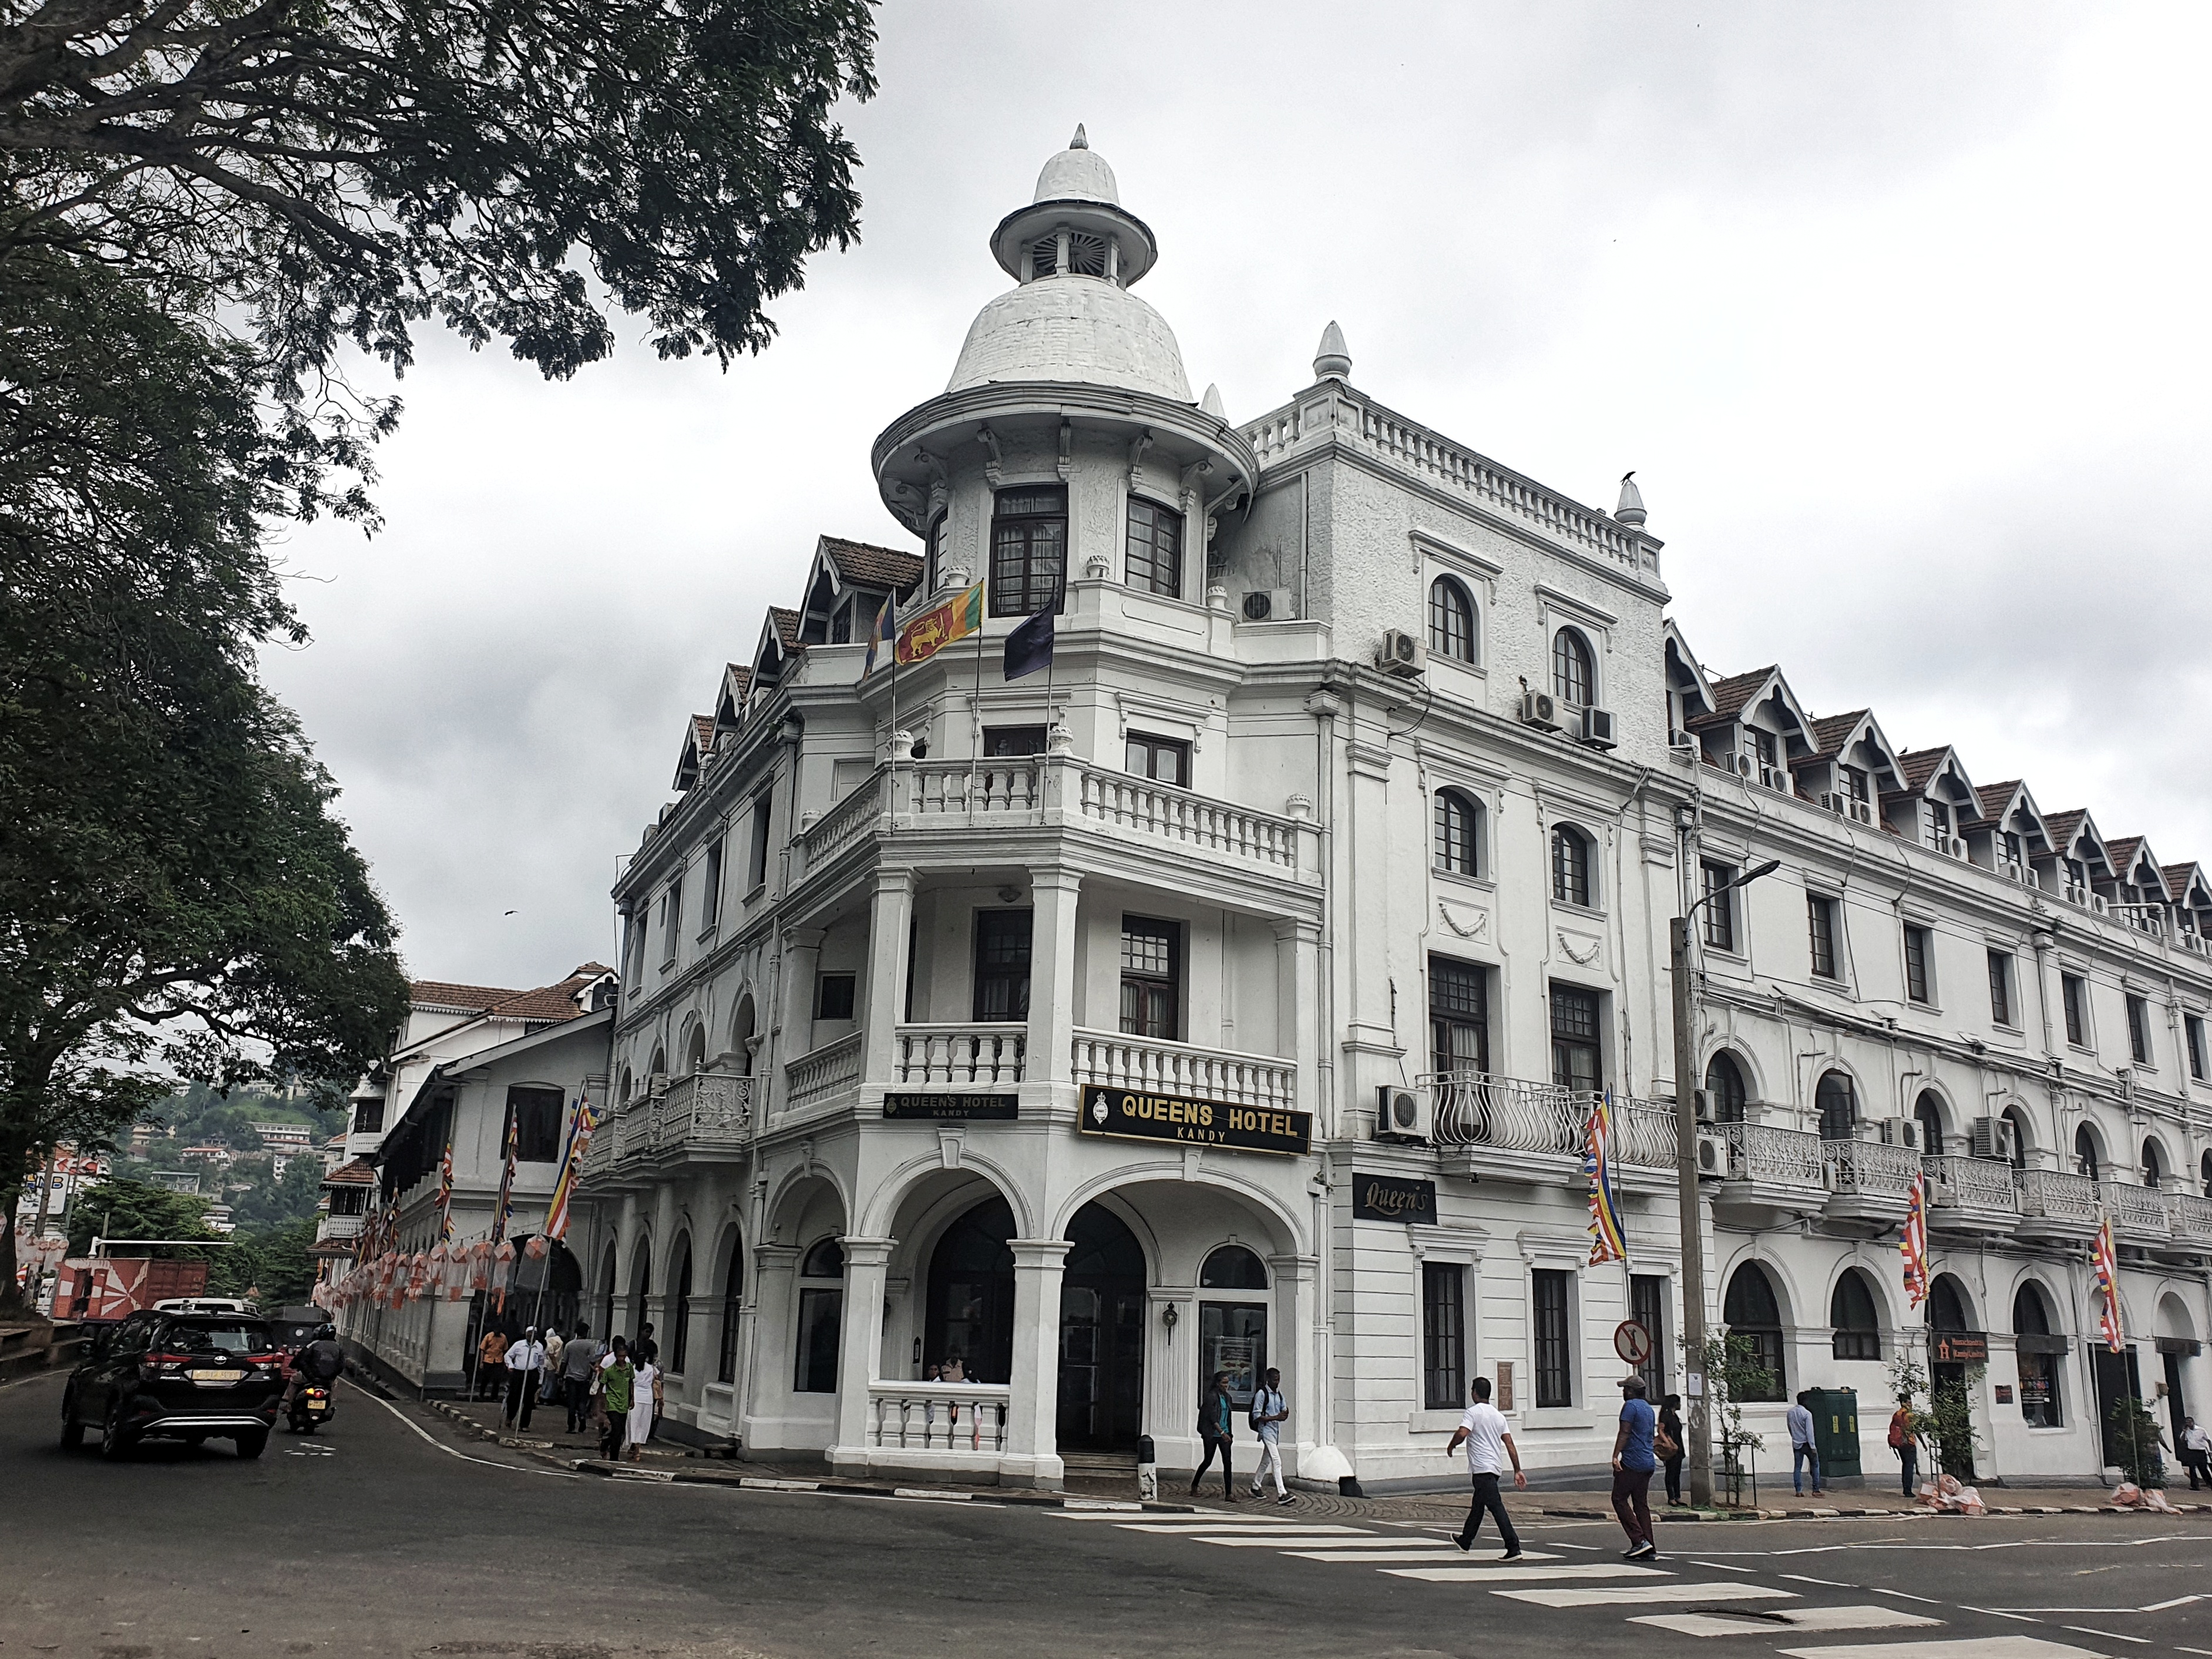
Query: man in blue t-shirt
point(1632, 1463)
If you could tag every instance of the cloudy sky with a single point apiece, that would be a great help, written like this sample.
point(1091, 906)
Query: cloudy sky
point(1897, 310)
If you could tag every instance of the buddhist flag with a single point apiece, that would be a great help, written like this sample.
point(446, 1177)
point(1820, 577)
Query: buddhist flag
point(2107, 1262)
point(934, 630)
point(446, 1194)
point(1607, 1242)
point(581, 1127)
point(504, 1211)
point(1913, 1246)
point(879, 635)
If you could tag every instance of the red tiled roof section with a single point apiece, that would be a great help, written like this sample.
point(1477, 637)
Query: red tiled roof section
point(1920, 764)
point(786, 627)
point(2122, 854)
point(547, 1003)
point(444, 993)
point(873, 567)
point(1996, 796)
point(1830, 734)
point(358, 1173)
point(703, 732)
point(1732, 693)
point(2063, 826)
point(739, 673)
point(2180, 878)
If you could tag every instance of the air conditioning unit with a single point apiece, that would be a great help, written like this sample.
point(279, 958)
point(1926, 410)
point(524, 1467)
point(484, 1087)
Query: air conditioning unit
point(1712, 1154)
point(1743, 764)
point(1835, 804)
point(1403, 1113)
point(1538, 709)
point(1401, 654)
point(657, 1084)
point(1901, 1132)
point(1992, 1139)
point(1862, 810)
point(1598, 728)
point(2012, 869)
point(1269, 605)
point(1955, 847)
point(1704, 1105)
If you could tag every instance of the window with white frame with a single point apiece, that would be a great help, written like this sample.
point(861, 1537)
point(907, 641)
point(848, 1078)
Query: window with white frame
point(1459, 833)
point(1451, 621)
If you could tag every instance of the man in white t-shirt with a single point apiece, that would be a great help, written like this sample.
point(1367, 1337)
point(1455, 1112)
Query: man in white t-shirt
point(1488, 1447)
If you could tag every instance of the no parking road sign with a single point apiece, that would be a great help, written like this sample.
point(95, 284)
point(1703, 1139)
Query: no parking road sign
point(1632, 1341)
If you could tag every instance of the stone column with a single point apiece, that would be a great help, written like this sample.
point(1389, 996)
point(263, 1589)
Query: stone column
point(859, 1342)
point(1032, 1454)
point(890, 911)
point(1290, 1351)
point(1297, 1018)
point(766, 1375)
point(802, 958)
point(1171, 1376)
point(1054, 893)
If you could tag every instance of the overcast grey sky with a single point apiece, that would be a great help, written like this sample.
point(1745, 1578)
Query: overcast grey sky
point(1897, 310)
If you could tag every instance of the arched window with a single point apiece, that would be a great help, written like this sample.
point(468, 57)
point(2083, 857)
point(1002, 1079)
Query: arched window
point(741, 1033)
point(1573, 679)
point(659, 1066)
point(1232, 1268)
point(2205, 1168)
point(1458, 833)
point(733, 1293)
point(607, 1297)
point(2154, 1165)
point(969, 1308)
point(2038, 1351)
point(626, 1085)
point(2085, 1153)
point(680, 1315)
point(821, 1312)
point(641, 1287)
point(1570, 866)
point(1850, 1312)
point(1947, 1309)
point(1928, 1113)
point(1725, 1089)
point(1838, 1106)
point(2018, 1119)
point(1451, 621)
point(1751, 1312)
point(694, 1052)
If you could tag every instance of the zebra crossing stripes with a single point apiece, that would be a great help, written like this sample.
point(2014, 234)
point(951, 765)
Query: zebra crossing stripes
point(1778, 1622)
point(1513, 1573)
point(1971, 1647)
point(1615, 1595)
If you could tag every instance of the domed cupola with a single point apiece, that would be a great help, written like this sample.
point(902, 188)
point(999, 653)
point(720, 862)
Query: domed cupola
point(1074, 251)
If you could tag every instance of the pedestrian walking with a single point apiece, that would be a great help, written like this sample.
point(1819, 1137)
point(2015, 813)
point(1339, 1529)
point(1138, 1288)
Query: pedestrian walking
point(1214, 1417)
point(2196, 1452)
point(1633, 1462)
point(645, 1392)
point(1804, 1451)
point(549, 1389)
point(645, 1351)
point(491, 1364)
point(1269, 1413)
point(525, 1360)
point(617, 1377)
point(1482, 1431)
point(580, 1364)
point(1905, 1441)
point(1668, 1445)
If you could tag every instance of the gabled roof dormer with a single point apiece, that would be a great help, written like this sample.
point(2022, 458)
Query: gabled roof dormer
point(2192, 897)
point(730, 703)
point(698, 749)
point(1688, 696)
point(2080, 860)
point(2136, 871)
point(1756, 728)
point(1937, 801)
point(779, 646)
point(846, 584)
point(2008, 835)
point(1852, 765)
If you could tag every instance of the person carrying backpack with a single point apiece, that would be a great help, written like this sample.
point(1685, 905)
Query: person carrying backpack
point(1269, 1413)
point(1905, 1441)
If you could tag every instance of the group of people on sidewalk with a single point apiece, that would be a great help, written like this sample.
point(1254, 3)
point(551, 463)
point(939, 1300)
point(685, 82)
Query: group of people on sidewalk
point(612, 1388)
point(1266, 1415)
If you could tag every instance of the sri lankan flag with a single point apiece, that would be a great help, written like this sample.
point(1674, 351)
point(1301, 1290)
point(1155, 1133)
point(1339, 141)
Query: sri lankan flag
point(932, 631)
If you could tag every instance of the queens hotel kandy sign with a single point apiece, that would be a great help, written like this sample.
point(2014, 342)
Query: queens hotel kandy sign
point(1134, 1114)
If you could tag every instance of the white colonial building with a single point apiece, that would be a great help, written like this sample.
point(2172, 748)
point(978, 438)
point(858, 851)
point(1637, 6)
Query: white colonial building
point(1232, 994)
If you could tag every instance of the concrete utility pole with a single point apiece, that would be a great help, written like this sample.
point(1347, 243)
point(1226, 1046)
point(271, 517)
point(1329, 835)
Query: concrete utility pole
point(1698, 1429)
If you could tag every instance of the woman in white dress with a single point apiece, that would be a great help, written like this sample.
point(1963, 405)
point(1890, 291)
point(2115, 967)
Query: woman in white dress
point(639, 1427)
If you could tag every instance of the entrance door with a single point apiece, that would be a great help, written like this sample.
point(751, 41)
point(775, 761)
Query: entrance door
point(2117, 1378)
point(1948, 1381)
point(1101, 1335)
point(1232, 1337)
point(970, 1310)
point(2177, 1406)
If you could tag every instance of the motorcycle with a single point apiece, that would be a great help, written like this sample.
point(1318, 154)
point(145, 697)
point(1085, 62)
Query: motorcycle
point(312, 1407)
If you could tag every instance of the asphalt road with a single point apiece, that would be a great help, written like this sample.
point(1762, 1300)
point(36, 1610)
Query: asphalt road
point(387, 1534)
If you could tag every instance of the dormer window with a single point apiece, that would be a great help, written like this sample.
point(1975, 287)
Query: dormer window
point(1856, 785)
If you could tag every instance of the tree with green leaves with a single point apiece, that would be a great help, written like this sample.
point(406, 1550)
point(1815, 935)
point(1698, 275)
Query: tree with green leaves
point(120, 1210)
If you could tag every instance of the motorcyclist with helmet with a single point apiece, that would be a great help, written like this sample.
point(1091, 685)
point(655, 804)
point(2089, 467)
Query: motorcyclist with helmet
point(320, 1362)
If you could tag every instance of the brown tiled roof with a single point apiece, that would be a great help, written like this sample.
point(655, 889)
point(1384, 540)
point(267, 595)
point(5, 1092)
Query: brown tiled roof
point(786, 627)
point(871, 566)
point(2063, 826)
point(1920, 765)
point(1730, 695)
point(2180, 878)
point(703, 732)
point(1828, 734)
point(1996, 796)
point(447, 994)
point(2122, 854)
point(358, 1173)
point(738, 672)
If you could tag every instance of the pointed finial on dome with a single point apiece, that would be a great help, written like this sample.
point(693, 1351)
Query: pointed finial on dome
point(1078, 142)
point(1332, 361)
point(1210, 403)
point(1631, 509)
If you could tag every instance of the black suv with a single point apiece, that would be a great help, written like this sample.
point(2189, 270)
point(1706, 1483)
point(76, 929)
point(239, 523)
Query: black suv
point(177, 1377)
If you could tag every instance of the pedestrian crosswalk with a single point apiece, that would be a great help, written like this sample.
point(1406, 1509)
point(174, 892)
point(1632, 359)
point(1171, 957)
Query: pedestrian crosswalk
point(1678, 1598)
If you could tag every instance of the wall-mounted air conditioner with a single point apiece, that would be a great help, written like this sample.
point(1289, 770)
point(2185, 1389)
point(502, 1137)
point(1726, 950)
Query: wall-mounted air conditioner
point(1833, 803)
point(1704, 1105)
point(1596, 728)
point(1269, 605)
point(1401, 654)
point(1538, 709)
point(1992, 1138)
point(1901, 1132)
point(1403, 1113)
point(1743, 765)
point(1712, 1155)
point(1862, 810)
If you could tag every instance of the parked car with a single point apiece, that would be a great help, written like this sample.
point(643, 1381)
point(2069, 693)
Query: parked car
point(189, 1377)
point(213, 1304)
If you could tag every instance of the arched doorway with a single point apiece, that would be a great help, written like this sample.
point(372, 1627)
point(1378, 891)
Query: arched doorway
point(1232, 1323)
point(1102, 1334)
point(2039, 1350)
point(547, 1291)
point(971, 1310)
point(1928, 1113)
point(1838, 1106)
point(1947, 1379)
point(1751, 1311)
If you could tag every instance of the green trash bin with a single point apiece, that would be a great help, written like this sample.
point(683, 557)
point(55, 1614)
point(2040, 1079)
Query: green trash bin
point(1836, 1431)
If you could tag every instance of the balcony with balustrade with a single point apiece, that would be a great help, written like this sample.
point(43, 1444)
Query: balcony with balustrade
point(1970, 1195)
point(1870, 1182)
point(706, 1118)
point(1772, 1175)
point(2189, 1223)
point(1512, 1129)
point(2138, 1213)
point(2056, 1206)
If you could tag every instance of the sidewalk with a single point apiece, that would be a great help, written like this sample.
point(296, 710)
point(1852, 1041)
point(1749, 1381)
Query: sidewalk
point(548, 1437)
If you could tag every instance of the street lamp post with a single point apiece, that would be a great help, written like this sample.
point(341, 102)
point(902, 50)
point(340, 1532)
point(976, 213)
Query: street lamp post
point(1686, 1188)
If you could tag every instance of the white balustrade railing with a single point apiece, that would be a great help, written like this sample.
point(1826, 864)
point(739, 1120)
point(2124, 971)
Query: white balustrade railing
point(2136, 1210)
point(970, 1057)
point(2190, 1218)
point(1969, 1184)
point(1150, 1064)
point(1870, 1168)
point(939, 1417)
point(1515, 1115)
point(2055, 1195)
point(342, 1226)
point(992, 788)
point(828, 1070)
point(706, 1110)
point(1185, 818)
point(1768, 1157)
point(844, 821)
